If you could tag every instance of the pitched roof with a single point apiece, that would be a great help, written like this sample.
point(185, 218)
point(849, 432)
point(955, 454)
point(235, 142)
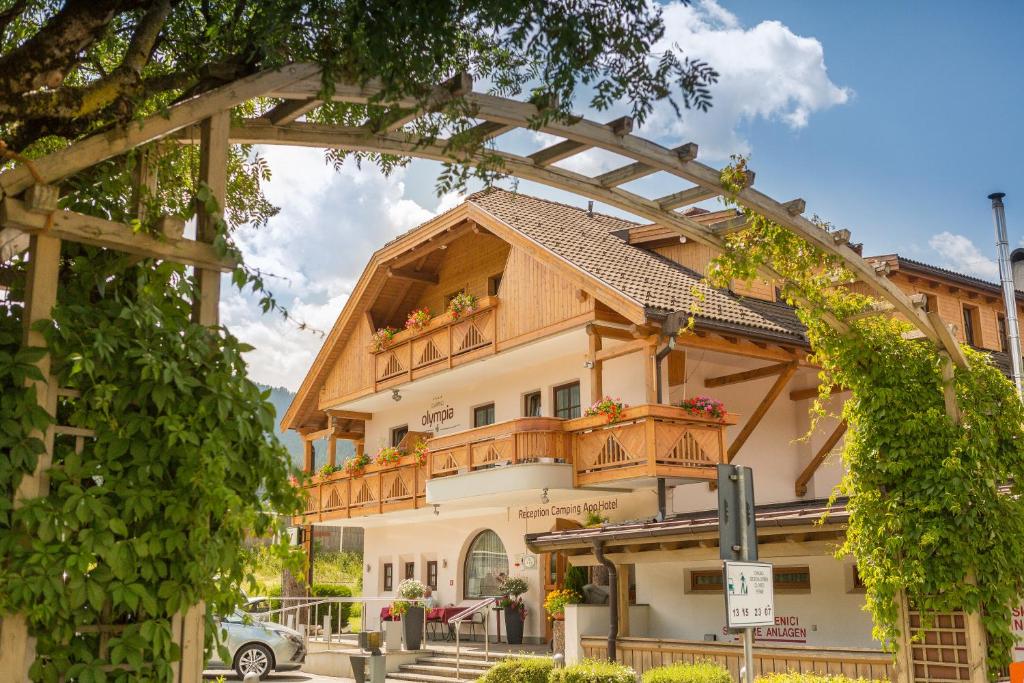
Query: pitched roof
point(588, 241)
point(904, 263)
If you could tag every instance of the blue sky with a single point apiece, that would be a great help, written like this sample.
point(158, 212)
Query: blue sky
point(894, 120)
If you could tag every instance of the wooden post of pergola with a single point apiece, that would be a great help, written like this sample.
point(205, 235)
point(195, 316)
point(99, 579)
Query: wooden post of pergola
point(30, 222)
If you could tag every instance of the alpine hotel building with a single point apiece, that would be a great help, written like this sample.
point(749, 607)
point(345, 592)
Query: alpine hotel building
point(573, 306)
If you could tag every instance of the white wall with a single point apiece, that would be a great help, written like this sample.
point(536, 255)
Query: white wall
point(829, 614)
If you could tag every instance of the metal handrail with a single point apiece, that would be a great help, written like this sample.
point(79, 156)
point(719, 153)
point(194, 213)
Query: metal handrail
point(457, 620)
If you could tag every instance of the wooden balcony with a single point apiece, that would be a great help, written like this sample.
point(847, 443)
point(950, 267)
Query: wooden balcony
point(443, 344)
point(647, 441)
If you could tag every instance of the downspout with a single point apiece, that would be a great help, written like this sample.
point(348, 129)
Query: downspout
point(613, 598)
point(659, 384)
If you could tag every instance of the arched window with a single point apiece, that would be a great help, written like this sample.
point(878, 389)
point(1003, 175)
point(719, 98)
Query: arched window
point(486, 566)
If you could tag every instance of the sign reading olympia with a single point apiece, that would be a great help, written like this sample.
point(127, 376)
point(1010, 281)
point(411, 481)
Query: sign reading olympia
point(749, 594)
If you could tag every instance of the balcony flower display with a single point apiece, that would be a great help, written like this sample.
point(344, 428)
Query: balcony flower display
point(418, 319)
point(389, 455)
point(327, 470)
point(611, 408)
point(703, 406)
point(462, 304)
point(556, 601)
point(420, 451)
point(380, 339)
point(511, 602)
point(355, 465)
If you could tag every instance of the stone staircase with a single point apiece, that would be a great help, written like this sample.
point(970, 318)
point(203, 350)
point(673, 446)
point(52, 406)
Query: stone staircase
point(439, 667)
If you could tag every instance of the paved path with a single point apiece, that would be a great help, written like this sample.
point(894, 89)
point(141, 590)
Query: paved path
point(291, 677)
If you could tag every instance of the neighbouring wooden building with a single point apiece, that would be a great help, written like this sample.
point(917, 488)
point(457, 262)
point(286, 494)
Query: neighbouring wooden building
point(571, 306)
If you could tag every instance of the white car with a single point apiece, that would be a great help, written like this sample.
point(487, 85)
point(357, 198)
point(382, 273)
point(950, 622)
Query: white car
point(258, 647)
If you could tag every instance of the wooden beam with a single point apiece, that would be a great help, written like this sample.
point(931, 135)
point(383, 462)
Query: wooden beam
point(746, 375)
point(289, 110)
point(433, 244)
point(637, 170)
point(307, 456)
point(214, 147)
point(761, 410)
point(110, 143)
point(812, 392)
point(413, 275)
point(819, 457)
point(729, 226)
point(78, 227)
point(332, 452)
point(567, 148)
point(622, 349)
point(741, 347)
point(457, 86)
point(596, 366)
point(487, 130)
point(349, 414)
point(686, 197)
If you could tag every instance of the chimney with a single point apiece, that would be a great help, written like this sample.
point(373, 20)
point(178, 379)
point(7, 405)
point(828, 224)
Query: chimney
point(1017, 268)
point(590, 209)
point(1009, 284)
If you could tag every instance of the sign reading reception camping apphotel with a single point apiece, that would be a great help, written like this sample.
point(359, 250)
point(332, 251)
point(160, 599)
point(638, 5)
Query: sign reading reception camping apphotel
point(749, 594)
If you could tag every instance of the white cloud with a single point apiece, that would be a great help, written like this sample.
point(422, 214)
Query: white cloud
point(313, 252)
point(765, 71)
point(960, 254)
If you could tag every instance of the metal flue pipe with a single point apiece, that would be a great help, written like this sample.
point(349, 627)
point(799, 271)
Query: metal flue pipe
point(1009, 292)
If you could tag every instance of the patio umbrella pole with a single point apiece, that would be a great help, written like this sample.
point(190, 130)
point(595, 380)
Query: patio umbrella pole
point(613, 598)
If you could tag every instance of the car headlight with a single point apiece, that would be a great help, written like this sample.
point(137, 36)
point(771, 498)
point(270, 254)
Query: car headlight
point(294, 639)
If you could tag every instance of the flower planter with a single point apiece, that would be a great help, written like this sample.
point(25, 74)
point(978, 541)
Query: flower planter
point(412, 628)
point(514, 626)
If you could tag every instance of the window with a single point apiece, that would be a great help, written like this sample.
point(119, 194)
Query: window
point(486, 566)
point(432, 574)
point(567, 400)
point(389, 576)
point(483, 415)
point(706, 580)
point(398, 433)
point(1003, 343)
point(970, 315)
point(856, 583)
point(410, 570)
point(493, 283)
point(531, 404)
point(785, 578)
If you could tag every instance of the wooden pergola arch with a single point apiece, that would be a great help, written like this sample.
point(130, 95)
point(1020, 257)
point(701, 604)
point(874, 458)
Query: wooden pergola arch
point(30, 219)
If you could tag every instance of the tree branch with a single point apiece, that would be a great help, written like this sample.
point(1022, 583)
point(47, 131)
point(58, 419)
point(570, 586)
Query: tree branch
point(44, 60)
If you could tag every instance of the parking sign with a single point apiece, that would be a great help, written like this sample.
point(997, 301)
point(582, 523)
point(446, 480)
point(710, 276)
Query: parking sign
point(749, 594)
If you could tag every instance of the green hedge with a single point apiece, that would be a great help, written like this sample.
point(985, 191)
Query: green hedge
point(592, 671)
point(686, 672)
point(519, 670)
point(794, 677)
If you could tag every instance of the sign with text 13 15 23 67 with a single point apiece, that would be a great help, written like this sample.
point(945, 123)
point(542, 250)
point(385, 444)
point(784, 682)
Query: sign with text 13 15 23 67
point(749, 594)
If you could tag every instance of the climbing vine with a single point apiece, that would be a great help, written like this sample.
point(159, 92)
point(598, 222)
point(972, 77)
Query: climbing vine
point(934, 503)
point(150, 515)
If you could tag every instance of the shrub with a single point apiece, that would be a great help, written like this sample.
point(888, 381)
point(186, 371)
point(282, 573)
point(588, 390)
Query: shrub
point(575, 579)
point(339, 612)
point(519, 670)
point(794, 677)
point(687, 672)
point(593, 671)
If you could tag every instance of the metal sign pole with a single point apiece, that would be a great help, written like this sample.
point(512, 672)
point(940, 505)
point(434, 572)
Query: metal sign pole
point(748, 632)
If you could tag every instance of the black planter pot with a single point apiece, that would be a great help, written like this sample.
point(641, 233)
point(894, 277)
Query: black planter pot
point(514, 626)
point(412, 628)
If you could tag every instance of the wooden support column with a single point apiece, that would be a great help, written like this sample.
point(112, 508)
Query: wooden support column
point(903, 671)
point(332, 450)
point(651, 370)
point(596, 366)
point(622, 595)
point(17, 647)
point(213, 170)
point(307, 456)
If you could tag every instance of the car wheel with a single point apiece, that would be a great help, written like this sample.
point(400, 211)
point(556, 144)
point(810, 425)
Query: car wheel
point(253, 659)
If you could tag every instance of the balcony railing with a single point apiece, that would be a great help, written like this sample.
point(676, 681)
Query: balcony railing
point(444, 343)
point(648, 441)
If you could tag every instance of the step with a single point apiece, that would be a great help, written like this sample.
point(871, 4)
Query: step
point(477, 659)
point(422, 678)
point(472, 672)
point(450, 662)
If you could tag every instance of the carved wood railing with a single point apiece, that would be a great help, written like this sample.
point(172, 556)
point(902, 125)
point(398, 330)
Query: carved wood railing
point(444, 343)
point(524, 439)
point(647, 441)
